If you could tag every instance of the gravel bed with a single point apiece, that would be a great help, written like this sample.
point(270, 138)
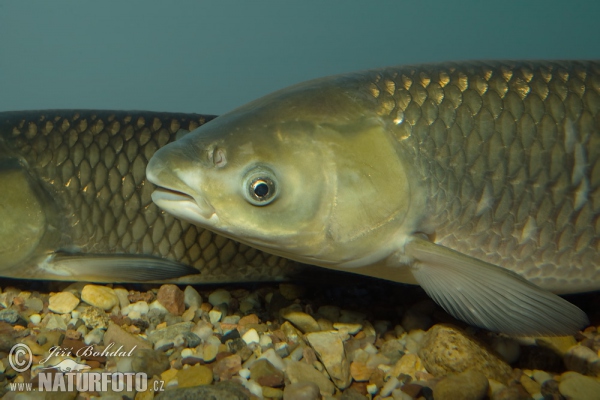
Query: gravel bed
point(360, 339)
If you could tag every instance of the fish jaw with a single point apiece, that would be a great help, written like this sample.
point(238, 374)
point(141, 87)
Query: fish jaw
point(174, 195)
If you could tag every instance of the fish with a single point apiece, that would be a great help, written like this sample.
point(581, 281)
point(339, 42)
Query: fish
point(75, 204)
point(477, 180)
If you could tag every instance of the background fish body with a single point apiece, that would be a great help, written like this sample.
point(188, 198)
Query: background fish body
point(432, 174)
point(74, 188)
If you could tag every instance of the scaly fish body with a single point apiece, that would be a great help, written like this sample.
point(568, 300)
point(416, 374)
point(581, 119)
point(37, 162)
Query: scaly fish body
point(463, 177)
point(75, 204)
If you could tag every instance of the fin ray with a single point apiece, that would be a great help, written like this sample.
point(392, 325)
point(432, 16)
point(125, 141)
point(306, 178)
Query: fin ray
point(489, 296)
point(114, 267)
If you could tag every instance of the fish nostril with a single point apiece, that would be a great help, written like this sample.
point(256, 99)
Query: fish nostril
point(219, 158)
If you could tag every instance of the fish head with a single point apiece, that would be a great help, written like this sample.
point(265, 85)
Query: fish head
point(302, 173)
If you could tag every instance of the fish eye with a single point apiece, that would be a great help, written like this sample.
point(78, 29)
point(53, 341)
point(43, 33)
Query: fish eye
point(260, 187)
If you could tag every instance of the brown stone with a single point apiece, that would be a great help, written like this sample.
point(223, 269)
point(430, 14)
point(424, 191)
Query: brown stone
point(228, 367)
point(263, 372)
point(171, 297)
point(360, 372)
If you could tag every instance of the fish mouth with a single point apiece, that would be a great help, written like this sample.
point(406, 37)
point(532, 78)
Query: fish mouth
point(186, 206)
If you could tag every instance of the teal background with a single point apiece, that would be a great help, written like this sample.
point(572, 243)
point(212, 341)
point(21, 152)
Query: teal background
point(209, 57)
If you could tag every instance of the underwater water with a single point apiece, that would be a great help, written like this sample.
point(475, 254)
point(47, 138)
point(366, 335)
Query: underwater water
point(208, 59)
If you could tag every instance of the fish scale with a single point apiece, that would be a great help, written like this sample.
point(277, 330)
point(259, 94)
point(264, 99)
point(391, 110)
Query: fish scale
point(511, 136)
point(93, 163)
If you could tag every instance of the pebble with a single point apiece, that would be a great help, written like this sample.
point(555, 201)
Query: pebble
point(94, 317)
point(194, 376)
point(35, 304)
point(409, 365)
point(298, 371)
point(447, 349)
point(214, 316)
point(170, 332)
point(575, 386)
point(123, 296)
point(541, 376)
point(352, 329)
point(530, 385)
point(172, 298)
point(102, 297)
point(117, 335)
point(558, 344)
point(272, 393)
point(265, 373)
point(251, 336)
point(301, 320)
point(271, 356)
point(219, 296)
point(227, 367)
point(330, 350)
point(149, 361)
point(302, 391)
point(63, 302)
point(191, 297)
point(95, 336)
point(35, 318)
point(468, 385)
point(55, 322)
point(360, 372)
point(582, 359)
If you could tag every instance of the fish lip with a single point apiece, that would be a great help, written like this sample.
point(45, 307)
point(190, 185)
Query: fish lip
point(172, 194)
point(184, 206)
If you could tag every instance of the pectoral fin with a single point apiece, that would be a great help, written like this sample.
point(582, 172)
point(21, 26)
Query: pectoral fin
point(489, 296)
point(114, 267)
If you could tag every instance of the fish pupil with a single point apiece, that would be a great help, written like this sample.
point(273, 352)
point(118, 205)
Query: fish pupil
point(261, 189)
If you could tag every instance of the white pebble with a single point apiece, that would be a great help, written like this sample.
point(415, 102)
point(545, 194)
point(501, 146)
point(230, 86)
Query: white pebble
point(35, 318)
point(244, 372)
point(141, 307)
point(155, 305)
point(272, 357)
point(253, 387)
point(94, 337)
point(203, 330)
point(265, 341)
point(214, 316)
point(372, 389)
point(187, 352)
point(191, 297)
point(75, 314)
point(219, 296)
point(251, 336)
point(123, 296)
point(389, 386)
point(134, 314)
